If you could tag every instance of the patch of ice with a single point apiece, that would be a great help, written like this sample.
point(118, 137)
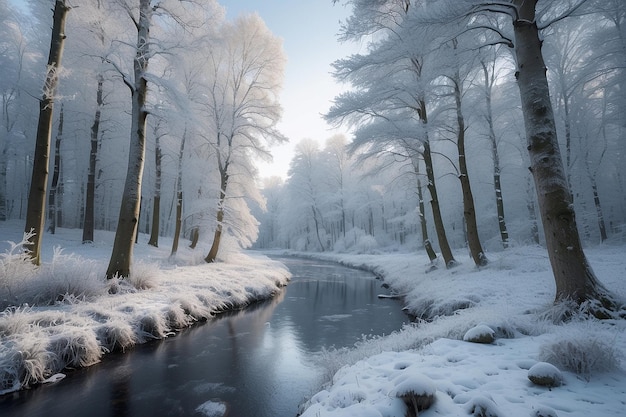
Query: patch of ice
point(54, 378)
point(212, 409)
point(336, 317)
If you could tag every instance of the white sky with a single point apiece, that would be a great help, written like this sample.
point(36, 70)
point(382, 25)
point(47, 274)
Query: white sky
point(308, 29)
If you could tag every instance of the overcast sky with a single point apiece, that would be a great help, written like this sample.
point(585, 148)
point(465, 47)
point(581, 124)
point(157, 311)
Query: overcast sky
point(309, 31)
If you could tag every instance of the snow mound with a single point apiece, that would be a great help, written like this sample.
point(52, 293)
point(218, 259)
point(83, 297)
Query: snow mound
point(480, 334)
point(545, 374)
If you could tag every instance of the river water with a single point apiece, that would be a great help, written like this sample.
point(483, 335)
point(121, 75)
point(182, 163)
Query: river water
point(258, 362)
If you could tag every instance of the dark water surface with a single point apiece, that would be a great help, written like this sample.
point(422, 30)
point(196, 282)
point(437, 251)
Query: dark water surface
point(257, 361)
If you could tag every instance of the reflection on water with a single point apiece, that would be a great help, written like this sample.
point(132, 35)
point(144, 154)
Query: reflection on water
point(256, 361)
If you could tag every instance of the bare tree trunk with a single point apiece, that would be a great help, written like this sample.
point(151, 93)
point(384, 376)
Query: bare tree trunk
point(573, 275)
point(35, 213)
point(156, 205)
point(596, 202)
point(179, 196)
point(317, 227)
point(217, 237)
point(469, 211)
point(88, 223)
point(504, 234)
point(195, 236)
point(444, 246)
point(121, 256)
point(422, 213)
point(52, 193)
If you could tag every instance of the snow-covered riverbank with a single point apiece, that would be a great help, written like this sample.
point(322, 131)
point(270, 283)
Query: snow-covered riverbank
point(38, 341)
point(513, 295)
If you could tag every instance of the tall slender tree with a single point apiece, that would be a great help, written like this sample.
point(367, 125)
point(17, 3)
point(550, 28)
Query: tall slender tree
point(35, 213)
point(121, 256)
point(574, 277)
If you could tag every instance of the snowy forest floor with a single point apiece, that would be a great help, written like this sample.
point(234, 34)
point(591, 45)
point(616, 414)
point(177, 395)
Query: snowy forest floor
point(513, 295)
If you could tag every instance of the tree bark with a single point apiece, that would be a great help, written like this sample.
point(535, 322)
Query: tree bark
point(195, 236)
point(217, 237)
point(156, 205)
point(422, 213)
point(178, 221)
point(35, 213)
point(573, 275)
point(52, 204)
point(89, 216)
point(121, 256)
point(444, 246)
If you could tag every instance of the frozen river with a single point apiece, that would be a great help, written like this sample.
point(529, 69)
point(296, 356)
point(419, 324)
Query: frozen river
point(258, 362)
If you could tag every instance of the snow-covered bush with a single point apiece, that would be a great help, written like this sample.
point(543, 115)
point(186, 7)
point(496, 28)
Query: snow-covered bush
point(16, 268)
point(74, 348)
point(356, 240)
point(22, 363)
point(143, 275)
point(66, 279)
point(116, 335)
point(581, 349)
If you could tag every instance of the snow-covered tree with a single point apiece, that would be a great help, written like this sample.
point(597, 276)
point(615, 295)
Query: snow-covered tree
point(244, 75)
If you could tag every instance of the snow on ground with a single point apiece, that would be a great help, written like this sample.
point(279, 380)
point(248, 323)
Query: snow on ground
point(84, 320)
point(512, 297)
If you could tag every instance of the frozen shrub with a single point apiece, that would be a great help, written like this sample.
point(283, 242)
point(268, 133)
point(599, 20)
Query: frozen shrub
point(16, 270)
point(68, 278)
point(581, 350)
point(176, 317)
point(481, 406)
point(143, 276)
point(152, 326)
point(116, 335)
point(417, 392)
point(29, 361)
point(74, 348)
point(366, 244)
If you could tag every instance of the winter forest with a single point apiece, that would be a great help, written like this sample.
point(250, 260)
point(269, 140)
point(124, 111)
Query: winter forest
point(475, 130)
